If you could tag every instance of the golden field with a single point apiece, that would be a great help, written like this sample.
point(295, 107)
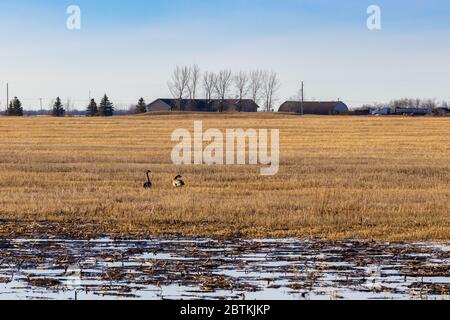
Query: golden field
point(340, 178)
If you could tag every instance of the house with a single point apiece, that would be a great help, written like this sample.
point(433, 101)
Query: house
point(318, 108)
point(413, 111)
point(203, 105)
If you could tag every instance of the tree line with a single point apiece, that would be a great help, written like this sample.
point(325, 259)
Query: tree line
point(104, 109)
point(408, 103)
point(189, 82)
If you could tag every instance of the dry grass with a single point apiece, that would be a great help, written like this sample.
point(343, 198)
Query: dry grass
point(340, 177)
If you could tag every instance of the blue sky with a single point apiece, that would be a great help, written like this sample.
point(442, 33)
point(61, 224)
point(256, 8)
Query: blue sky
point(128, 48)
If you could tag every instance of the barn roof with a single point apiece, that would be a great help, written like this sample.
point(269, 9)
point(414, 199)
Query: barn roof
point(314, 107)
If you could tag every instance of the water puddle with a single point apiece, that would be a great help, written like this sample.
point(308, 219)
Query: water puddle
point(220, 269)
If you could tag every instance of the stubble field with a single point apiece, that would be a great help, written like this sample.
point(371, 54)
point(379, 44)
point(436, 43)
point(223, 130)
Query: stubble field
point(340, 178)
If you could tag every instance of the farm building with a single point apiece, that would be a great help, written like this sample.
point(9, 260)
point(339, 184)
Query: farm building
point(318, 108)
point(413, 111)
point(203, 105)
point(364, 111)
point(441, 112)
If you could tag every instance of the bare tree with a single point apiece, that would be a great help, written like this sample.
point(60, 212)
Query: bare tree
point(242, 86)
point(271, 85)
point(179, 84)
point(69, 106)
point(417, 103)
point(413, 103)
point(195, 75)
point(256, 78)
point(402, 103)
point(209, 85)
point(241, 82)
point(224, 81)
point(443, 104)
point(428, 104)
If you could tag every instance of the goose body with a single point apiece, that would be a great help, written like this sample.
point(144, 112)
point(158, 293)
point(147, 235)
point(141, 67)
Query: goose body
point(178, 182)
point(148, 184)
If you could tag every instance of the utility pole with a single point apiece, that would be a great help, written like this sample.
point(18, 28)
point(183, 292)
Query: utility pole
point(303, 97)
point(40, 102)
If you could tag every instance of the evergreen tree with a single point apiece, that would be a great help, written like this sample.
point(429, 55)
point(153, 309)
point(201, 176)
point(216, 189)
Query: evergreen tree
point(106, 108)
point(141, 107)
point(58, 109)
point(15, 108)
point(92, 109)
point(10, 109)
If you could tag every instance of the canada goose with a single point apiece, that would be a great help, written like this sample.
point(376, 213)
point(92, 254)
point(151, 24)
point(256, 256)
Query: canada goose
point(148, 184)
point(177, 182)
